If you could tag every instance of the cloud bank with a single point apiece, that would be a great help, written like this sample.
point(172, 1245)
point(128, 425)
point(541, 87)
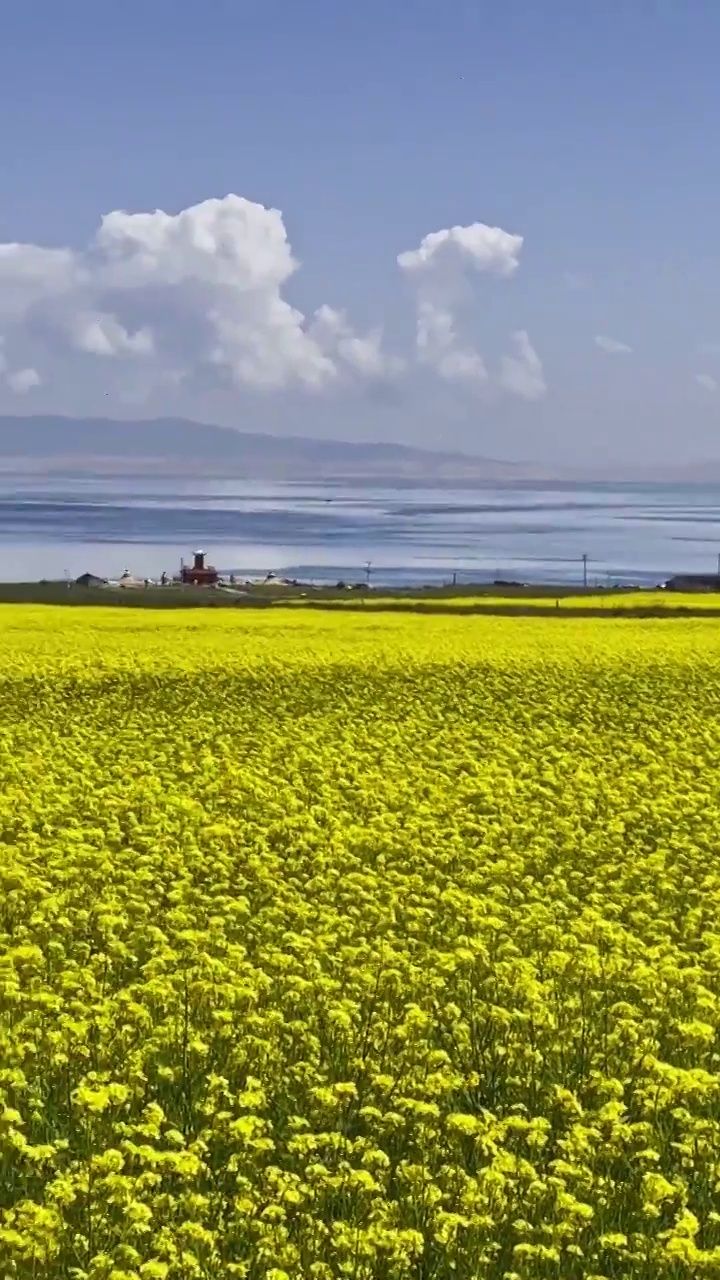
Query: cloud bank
point(202, 293)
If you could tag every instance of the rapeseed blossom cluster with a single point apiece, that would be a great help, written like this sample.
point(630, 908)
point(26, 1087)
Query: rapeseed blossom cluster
point(381, 947)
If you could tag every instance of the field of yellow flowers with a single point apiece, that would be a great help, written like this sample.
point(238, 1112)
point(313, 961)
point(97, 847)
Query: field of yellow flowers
point(374, 947)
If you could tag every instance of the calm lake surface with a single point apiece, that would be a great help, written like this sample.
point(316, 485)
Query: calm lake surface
point(64, 524)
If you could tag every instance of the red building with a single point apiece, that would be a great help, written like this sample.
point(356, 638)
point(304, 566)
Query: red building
point(199, 574)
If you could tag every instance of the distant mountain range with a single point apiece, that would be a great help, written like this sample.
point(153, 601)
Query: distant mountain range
point(180, 446)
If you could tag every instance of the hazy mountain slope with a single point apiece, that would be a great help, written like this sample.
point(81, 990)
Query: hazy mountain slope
point(179, 443)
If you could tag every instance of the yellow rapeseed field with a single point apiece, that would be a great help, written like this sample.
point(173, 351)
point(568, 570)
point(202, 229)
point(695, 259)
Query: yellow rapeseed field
point(379, 947)
point(608, 601)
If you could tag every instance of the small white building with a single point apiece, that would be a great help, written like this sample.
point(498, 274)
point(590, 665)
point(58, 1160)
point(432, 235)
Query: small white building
point(127, 580)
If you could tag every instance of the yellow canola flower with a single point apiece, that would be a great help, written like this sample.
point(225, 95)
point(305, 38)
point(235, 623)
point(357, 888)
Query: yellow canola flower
point(358, 945)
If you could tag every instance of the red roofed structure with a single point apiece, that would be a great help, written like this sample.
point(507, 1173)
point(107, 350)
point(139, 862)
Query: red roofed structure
point(199, 574)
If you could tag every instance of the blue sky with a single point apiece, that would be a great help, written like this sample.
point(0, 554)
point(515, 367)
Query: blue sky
point(587, 131)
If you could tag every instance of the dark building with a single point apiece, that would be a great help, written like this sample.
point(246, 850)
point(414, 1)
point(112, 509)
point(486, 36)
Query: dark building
point(694, 582)
point(90, 580)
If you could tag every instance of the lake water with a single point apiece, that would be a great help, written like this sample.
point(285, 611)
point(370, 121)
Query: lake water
point(64, 525)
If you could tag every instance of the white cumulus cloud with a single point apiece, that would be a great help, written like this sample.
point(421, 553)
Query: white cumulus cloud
point(523, 373)
point(334, 335)
point(440, 269)
point(104, 335)
point(198, 297)
point(707, 381)
point(23, 380)
point(438, 347)
point(32, 275)
point(612, 346)
point(477, 246)
point(18, 380)
point(207, 285)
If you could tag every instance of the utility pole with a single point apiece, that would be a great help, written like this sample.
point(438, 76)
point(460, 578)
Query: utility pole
point(585, 560)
